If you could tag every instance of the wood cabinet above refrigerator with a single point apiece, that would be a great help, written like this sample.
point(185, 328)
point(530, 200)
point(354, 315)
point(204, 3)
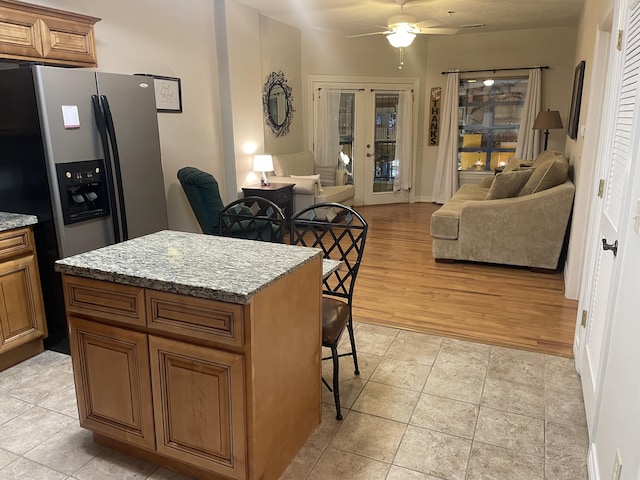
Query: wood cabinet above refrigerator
point(46, 35)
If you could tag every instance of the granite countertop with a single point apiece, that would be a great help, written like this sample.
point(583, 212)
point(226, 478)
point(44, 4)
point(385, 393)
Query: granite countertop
point(9, 221)
point(206, 266)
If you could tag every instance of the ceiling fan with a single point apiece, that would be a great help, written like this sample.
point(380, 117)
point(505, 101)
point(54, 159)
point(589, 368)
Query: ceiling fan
point(403, 28)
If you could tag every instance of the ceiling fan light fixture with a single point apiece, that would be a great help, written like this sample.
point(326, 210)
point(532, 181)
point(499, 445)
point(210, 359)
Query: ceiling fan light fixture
point(401, 38)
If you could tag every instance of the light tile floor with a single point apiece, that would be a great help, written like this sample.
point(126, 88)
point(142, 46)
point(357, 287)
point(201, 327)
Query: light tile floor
point(423, 408)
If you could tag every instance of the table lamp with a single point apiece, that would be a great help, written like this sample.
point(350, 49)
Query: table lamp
point(263, 163)
point(546, 121)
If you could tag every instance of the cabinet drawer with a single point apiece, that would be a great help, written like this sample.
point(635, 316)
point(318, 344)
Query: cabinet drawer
point(283, 196)
point(109, 301)
point(15, 243)
point(195, 318)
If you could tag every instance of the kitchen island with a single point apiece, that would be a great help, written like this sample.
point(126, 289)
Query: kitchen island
point(196, 352)
point(22, 319)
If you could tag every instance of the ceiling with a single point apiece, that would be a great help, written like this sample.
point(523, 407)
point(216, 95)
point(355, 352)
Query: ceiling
point(352, 17)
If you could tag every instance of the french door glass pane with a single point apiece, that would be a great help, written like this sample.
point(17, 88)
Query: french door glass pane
point(385, 163)
point(346, 122)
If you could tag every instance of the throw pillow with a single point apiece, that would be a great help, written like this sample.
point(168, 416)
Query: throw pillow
point(315, 177)
point(546, 175)
point(512, 164)
point(507, 185)
point(327, 174)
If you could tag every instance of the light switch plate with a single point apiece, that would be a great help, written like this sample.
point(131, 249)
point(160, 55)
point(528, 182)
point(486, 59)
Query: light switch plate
point(636, 218)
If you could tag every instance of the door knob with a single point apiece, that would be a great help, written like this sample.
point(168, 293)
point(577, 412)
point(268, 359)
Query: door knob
point(610, 246)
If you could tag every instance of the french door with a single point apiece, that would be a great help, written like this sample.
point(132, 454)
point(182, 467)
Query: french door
point(368, 129)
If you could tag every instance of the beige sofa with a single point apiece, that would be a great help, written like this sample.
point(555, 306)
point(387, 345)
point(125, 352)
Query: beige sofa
point(328, 184)
point(519, 217)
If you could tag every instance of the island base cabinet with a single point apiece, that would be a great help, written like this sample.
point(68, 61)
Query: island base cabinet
point(113, 386)
point(198, 397)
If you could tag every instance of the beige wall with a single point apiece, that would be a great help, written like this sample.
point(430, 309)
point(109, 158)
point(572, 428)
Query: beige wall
point(281, 50)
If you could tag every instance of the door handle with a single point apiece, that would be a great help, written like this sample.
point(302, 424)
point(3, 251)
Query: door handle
point(369, 154)
point(610, 246)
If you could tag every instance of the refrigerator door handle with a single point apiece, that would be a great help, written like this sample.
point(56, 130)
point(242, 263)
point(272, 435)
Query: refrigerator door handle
point(104, 101)
point(102, 130)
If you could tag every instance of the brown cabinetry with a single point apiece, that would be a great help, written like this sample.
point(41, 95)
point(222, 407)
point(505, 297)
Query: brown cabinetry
point(35, 33)
point(214, 389)
point(22, 319)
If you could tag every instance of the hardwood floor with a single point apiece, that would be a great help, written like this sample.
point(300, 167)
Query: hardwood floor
point(400, 285)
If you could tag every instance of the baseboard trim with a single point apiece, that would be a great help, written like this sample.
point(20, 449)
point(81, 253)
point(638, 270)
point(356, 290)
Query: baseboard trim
point(592, 464)
point(423, 199)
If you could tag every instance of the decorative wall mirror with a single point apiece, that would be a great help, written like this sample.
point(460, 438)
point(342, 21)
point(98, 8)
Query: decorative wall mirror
point(277, 103)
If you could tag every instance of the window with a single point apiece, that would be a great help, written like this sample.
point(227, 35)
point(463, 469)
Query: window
point(489, 119)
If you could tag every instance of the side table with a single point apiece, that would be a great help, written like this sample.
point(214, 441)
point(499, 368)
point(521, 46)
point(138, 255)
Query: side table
point(279, 193)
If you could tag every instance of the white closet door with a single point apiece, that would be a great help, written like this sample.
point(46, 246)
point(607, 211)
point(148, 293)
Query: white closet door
point(616, 178)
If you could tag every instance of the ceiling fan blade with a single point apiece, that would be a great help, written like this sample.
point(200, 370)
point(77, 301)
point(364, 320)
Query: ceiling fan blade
point(437, 31)
point(367, 34)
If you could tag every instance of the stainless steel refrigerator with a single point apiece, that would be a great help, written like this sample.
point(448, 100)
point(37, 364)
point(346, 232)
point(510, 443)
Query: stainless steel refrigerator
point(79, 149)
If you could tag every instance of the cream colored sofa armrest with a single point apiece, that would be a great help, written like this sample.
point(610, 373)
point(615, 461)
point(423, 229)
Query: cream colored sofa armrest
point(341, 177)
point(304, 186)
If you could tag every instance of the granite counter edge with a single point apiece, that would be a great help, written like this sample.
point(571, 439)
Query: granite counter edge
point(242, 298)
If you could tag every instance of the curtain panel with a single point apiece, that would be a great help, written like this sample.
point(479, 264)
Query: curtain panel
point(404, 142)
point(328, 135)
point(445, 182)
point(528, 145)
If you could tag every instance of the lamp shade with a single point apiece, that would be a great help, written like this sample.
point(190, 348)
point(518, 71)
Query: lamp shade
point(262, 163)
point(547, 120)
point(401, 38)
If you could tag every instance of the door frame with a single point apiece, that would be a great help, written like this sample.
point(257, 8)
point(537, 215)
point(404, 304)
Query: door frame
point(355, 83)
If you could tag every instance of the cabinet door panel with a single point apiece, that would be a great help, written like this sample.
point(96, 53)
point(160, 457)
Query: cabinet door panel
point(67, 40)
point(113, 386)
point(21, 311)
point(198, 398)
point(20, 34)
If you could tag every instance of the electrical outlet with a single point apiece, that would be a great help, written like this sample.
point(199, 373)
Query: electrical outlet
point(617, 466)
point(636, 219)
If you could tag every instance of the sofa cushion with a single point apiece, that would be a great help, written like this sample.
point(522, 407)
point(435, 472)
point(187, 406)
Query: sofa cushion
point(340, 194)
point(549, 173)
point(315, 177)
point(327, 174)
point(300, 163)
point(547, 155)
point(507, 185)
point(512, 164)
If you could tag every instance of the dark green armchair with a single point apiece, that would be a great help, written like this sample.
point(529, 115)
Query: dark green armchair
point(203, 194)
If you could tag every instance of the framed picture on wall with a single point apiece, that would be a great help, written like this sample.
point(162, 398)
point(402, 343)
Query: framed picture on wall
point(168, 93)
point(576, 97)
